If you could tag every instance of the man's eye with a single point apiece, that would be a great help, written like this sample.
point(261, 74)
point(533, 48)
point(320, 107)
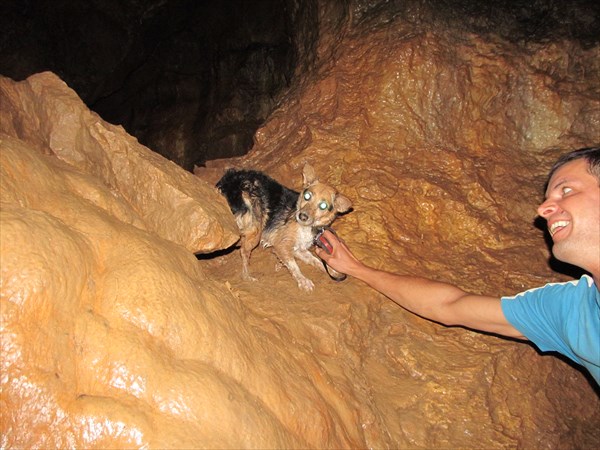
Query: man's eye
point(323, 206)
point(566, 190)
point(307, 195)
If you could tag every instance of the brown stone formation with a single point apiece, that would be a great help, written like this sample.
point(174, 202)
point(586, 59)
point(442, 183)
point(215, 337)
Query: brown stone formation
point(114, 335)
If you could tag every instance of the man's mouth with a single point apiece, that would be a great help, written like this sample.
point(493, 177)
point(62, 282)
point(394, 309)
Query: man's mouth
point(557, 226)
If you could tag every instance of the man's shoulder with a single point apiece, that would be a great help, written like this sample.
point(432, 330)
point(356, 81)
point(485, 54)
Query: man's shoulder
point(583, 284)
point(553, 301)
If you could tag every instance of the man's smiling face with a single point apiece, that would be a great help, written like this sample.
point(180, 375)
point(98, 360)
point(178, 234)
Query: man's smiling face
point(572, 212)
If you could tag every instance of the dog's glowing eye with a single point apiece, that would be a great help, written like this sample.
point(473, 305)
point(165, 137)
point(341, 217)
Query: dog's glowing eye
point(307, 195)
point(323, 206)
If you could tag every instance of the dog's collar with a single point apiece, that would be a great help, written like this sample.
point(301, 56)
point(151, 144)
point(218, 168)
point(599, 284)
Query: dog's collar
point(317, 231)
point(321, 228)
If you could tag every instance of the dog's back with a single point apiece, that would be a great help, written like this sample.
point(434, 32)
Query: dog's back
point(250, 191)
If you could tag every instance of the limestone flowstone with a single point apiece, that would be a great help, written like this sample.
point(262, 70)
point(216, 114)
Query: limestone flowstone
point(167, 199)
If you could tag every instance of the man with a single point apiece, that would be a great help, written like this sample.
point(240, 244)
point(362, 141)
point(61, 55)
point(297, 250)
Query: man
point(563, 317)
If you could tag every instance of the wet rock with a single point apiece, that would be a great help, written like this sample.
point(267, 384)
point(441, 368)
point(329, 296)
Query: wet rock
point(168, 201)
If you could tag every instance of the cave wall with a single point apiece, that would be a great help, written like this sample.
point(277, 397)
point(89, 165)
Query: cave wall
point(114, 335)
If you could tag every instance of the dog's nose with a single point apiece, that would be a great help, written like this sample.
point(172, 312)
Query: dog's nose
point(302, 216)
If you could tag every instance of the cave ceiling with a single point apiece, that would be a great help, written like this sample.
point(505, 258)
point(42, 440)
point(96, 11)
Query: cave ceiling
point(194, 80)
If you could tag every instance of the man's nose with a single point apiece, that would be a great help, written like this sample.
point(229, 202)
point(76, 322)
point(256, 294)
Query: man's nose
point(546, 209)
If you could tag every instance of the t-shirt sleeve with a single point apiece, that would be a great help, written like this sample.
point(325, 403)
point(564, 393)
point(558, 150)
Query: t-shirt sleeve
point(545, 316)
point(562, 317)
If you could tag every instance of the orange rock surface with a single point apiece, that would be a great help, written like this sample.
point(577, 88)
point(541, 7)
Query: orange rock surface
point(115, 335)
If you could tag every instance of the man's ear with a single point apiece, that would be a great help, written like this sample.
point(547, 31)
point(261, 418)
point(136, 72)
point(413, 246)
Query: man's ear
point(309, 176)
point(342, 204)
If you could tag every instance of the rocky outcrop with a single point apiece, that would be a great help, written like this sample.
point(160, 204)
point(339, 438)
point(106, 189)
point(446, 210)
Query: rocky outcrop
point(161, 197)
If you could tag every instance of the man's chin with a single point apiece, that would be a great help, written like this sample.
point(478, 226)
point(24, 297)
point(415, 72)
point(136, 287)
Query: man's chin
point(565, 253)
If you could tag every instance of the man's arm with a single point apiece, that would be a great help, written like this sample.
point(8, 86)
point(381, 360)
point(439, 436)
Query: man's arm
point(440, 302)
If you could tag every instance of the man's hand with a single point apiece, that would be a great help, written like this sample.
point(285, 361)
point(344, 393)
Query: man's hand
point(341, 258)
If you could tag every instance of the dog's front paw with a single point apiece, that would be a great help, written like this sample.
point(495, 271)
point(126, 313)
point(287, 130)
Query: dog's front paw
point(306, 285)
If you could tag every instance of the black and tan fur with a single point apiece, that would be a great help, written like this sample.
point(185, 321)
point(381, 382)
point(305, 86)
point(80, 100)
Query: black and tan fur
point(276, 216)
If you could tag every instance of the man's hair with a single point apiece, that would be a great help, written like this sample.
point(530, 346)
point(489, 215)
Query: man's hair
point(590, 154)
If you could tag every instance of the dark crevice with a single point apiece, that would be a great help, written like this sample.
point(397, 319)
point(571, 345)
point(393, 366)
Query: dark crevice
point(191, 80)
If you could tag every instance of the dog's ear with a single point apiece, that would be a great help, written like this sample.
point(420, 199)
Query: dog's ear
point(309, 176)
point(342, 204)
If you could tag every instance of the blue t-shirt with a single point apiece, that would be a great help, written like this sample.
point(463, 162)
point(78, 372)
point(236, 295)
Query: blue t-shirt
point(561, 317)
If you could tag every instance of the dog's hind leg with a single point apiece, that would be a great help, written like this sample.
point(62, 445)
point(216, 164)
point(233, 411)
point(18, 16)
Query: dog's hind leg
point(251, 232)
point(250, 224)
point(248, 242)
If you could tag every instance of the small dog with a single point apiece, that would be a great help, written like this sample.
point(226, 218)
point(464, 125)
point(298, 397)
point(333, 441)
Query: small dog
point(287, 221)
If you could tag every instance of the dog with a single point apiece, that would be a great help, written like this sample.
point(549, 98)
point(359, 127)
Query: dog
point(278, 217)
